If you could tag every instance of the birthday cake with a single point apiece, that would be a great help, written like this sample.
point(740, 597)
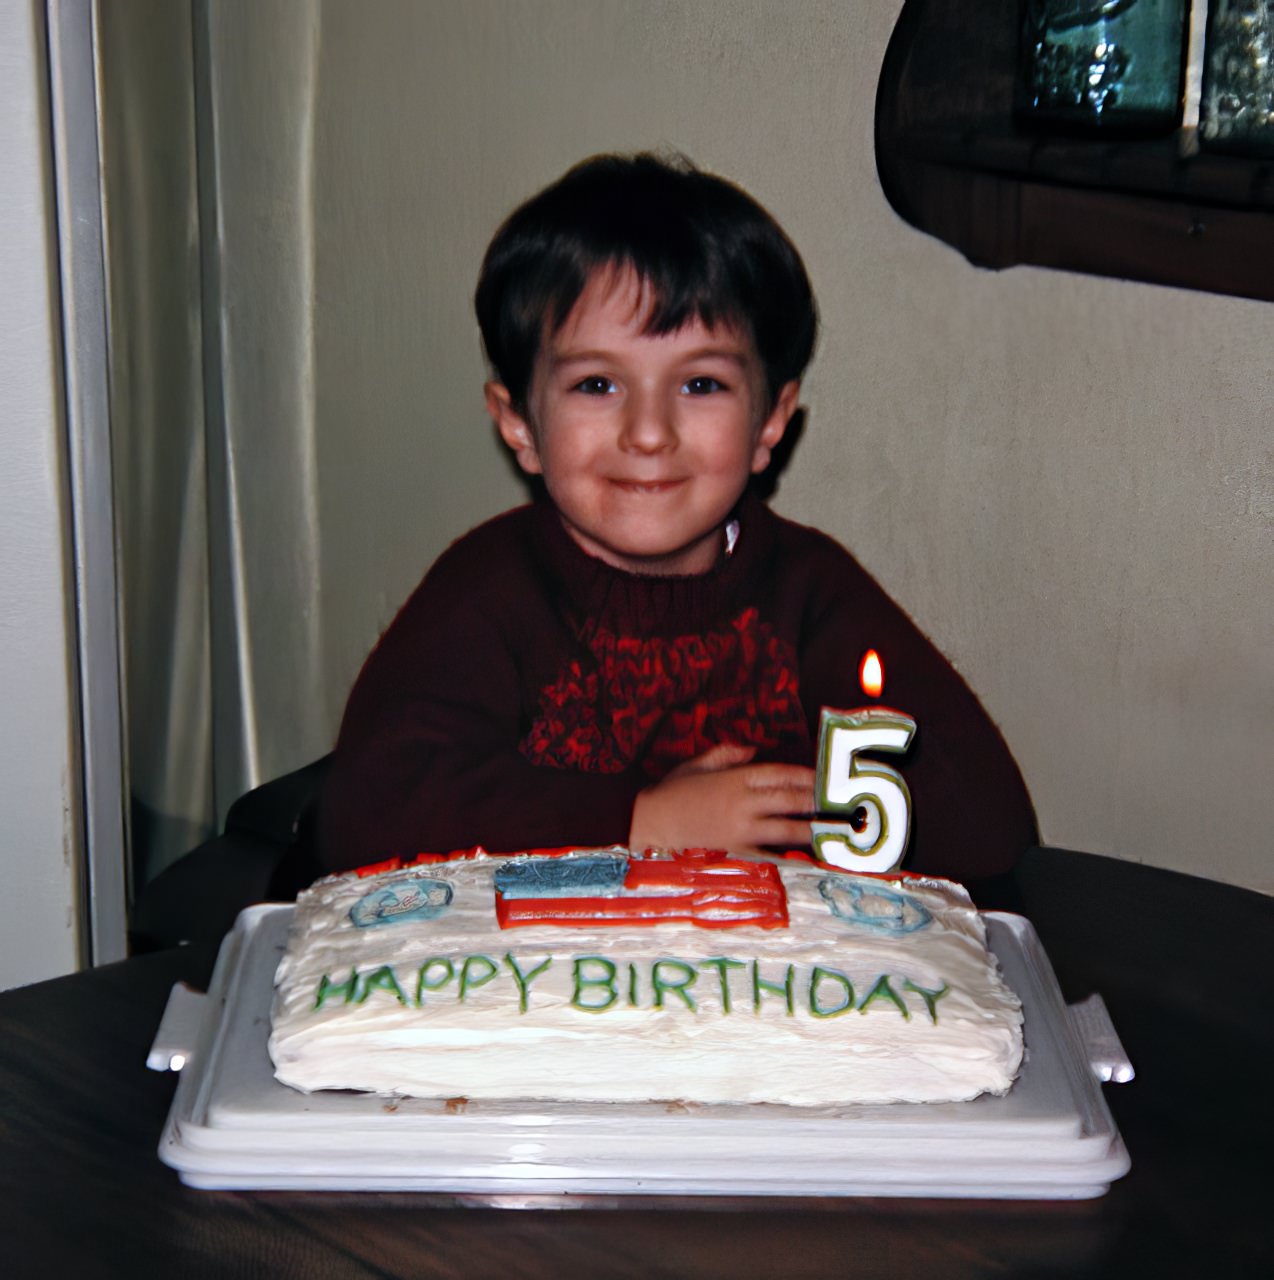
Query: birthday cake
point(603, 976)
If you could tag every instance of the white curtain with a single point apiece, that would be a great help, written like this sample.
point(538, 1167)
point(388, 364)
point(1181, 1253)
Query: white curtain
point(206, 117)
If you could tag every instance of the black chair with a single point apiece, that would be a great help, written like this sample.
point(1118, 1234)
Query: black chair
point(265, 854)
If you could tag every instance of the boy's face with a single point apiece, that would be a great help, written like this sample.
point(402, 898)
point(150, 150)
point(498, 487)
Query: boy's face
point(645, 442)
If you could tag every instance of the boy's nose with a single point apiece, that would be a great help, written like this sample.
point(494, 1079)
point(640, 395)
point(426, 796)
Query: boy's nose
point(647, 426)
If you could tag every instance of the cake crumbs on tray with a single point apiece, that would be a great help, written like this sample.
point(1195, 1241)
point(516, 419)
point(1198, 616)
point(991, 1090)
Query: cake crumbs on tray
point(455, 1106)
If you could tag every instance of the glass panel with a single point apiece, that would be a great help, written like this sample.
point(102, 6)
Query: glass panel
point(1114, 66)
point(1237, 109)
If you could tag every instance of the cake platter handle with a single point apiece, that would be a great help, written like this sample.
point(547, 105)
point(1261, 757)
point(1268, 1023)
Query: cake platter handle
point(1106, 1055)
point(178, 1032)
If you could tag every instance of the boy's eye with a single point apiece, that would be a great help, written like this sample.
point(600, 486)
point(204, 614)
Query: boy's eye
point(595, 386)
point(703, 386)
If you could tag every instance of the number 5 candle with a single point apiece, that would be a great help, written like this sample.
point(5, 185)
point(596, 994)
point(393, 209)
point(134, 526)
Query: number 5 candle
point(846, 782)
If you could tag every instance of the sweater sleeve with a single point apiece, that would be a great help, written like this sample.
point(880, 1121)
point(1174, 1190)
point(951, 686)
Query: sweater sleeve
point(971, 814)
point(427, 756)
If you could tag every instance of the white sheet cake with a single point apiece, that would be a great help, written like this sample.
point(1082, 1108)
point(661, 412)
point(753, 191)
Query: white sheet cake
point(600, 976)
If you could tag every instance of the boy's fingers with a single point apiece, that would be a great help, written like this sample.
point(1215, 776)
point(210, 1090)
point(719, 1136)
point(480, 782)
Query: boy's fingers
point(784, 788)
point(725, 755)
point(778, 833)
point(769, 777)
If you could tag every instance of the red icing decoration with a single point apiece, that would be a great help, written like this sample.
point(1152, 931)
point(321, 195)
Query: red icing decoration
point(422, 860)
point(681, 855)
point(703, 887)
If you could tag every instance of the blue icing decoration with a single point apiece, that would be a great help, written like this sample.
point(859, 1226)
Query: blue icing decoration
point(873, 906)
point(408, 898)
point(598, 874)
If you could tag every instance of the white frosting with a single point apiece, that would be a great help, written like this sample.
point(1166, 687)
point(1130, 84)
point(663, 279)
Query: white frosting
point(378, 1007)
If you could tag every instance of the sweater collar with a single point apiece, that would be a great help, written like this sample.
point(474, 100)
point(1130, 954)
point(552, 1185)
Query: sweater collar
point(601, 594)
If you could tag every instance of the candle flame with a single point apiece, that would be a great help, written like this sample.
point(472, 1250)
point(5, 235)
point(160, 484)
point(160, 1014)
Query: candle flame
point(871, 674)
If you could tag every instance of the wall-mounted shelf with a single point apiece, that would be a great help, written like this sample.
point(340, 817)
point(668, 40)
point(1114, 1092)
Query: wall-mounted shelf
point(954, 164)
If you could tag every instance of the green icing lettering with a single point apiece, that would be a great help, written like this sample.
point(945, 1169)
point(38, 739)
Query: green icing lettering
point(524, 980)
point(583, 982)
point(327, 987)
point(930, 998)
point(632, 986)
point(423, 982)
point(818, 1010)
point(760, 985)
point(723, 965)
point(883, 991)
point(468, 980)
point(383, 979)
point(665, 986)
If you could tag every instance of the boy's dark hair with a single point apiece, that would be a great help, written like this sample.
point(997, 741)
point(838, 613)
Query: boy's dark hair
point(704, 247)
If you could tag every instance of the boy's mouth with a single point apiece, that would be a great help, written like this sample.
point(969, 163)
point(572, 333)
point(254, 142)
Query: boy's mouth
point(647, 486)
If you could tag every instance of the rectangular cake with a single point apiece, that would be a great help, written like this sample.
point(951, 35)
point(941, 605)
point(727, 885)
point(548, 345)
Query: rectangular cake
point(603, 976)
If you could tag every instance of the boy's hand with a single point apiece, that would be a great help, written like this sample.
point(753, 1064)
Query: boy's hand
point(720, 800)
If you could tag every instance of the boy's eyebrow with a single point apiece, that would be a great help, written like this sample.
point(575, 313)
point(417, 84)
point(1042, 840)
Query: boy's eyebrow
point(739, 356)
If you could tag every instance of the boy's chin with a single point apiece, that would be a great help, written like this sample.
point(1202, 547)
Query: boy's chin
point(656, 560)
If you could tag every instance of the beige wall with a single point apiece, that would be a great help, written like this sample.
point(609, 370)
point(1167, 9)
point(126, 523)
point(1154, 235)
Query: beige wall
point(1066, 480)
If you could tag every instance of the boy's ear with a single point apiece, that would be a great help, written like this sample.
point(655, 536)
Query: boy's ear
point(775, 425)
point(514, 429)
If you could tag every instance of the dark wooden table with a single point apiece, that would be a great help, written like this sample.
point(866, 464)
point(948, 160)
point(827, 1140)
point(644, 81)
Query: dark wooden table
point(1184, 966)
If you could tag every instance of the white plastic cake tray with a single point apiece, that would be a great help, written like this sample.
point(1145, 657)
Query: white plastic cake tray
point(232, 1125)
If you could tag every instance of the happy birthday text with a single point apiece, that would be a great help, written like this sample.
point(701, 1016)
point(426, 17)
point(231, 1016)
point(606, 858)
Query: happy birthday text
point(720, 985)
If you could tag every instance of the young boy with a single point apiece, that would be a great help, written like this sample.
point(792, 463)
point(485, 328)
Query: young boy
point(640, 655)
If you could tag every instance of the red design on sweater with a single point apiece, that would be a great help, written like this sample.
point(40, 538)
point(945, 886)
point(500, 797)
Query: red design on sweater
point(662, 701)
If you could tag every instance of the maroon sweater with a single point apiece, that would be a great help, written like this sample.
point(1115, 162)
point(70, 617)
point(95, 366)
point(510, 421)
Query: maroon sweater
point(527, 692)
